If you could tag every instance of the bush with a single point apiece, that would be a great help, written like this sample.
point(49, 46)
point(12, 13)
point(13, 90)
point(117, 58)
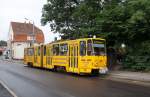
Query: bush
point(128, 62)
point(137, 63)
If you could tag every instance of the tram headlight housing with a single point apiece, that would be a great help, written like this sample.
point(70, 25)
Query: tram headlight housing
point(103, 70)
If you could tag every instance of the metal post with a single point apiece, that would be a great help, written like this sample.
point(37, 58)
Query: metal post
point(33, 32)
point(33, 41)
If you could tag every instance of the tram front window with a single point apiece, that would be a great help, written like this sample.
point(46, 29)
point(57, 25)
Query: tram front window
point(98, 48)
point(30, 51)
point(82, 48)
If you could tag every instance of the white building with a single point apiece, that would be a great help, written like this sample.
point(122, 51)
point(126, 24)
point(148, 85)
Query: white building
point(22, 35)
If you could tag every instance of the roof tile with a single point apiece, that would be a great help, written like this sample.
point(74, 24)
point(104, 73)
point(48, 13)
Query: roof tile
point(22, 30)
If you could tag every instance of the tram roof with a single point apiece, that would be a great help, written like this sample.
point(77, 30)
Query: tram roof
point(64, 41)
point(59, 41)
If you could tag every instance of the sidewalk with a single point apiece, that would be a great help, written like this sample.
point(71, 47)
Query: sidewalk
point(11, 60)
point(137, 77)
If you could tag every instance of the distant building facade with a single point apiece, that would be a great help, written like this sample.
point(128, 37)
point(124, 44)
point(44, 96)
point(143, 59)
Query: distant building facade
point(22, 35)
point(2, 49)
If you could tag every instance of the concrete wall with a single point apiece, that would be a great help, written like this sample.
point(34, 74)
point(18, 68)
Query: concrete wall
point(18, 49)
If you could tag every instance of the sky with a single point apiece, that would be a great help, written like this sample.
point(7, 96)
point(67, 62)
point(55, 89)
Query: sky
point(17, 11)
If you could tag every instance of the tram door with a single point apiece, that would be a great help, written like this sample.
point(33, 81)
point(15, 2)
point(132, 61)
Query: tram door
point(35, 56)
point(73, 58)
point(44, 56)
point(49, 57)
point(39, 56)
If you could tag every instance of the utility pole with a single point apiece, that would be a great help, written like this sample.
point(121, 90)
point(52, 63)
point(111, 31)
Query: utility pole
point(33, 41)
point(33, 32)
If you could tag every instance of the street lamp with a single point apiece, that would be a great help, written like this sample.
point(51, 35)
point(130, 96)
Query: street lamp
point(123, 45)
point(33, 33)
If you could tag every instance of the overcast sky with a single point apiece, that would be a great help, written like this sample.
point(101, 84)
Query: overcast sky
point(17, 10)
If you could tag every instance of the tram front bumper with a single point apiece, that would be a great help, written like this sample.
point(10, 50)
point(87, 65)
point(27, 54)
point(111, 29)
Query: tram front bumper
point(103, 70)
point(85, 70)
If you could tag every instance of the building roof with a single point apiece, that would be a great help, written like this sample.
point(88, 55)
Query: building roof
point(22, 30)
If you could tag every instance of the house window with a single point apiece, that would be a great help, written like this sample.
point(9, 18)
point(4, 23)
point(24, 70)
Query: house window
point(31, 37)
point(18, 44)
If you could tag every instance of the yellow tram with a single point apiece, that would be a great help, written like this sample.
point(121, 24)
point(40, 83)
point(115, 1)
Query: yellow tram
point(82, 56)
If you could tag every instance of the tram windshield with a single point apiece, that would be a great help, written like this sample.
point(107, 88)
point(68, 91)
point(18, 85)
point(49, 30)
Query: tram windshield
point(96, 47)
point(30, 51)
point(99, 47)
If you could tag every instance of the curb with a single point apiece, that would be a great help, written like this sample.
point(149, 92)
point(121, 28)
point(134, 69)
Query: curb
point(129, 78)
point(130, 81)
point(8, 89)
point(125, 79)
point(11, 61)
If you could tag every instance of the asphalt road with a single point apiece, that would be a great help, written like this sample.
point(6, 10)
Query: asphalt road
point(4, 92)
point(32, 82)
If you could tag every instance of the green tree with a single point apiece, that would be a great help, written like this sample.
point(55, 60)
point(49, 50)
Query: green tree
point(58, 14)
point(85, 17)
point(3, 43)
point(116, 20)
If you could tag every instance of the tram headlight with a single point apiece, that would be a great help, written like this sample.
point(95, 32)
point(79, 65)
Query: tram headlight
point(103, 70)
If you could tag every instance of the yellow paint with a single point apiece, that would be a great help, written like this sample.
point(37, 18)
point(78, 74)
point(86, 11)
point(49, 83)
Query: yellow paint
point(72, 61)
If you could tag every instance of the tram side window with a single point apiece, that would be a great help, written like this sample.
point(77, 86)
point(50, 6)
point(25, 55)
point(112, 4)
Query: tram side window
point(89, 47)
point(25, 52)
point(48, 51)
point(82, 48)
point(51, 51)
point(39, 49)
point(35, 51)
point(56, 49)
point(63, 49)
point(44, 50)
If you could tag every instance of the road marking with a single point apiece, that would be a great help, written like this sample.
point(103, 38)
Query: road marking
point(9, 90)
point(25, 65)
point(135, 81)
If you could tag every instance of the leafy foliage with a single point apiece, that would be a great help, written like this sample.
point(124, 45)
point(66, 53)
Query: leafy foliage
point(58, 14)
point(119, 21)
point(3, 43)
point(137, 63)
